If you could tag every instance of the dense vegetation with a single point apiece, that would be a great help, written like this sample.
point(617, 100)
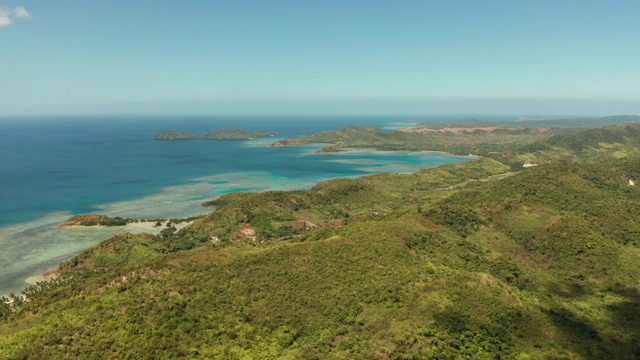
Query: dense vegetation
point(96, 219)
point(593, 145)
point(230, 134)
point(460, 261)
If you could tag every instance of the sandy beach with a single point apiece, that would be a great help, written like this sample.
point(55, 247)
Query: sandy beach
point(46, 274)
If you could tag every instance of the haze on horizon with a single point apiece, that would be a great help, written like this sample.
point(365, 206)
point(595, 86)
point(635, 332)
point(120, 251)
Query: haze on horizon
point(320, 57)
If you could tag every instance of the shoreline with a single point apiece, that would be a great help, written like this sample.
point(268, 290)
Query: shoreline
point(37, 243)
point(147, 224)
point(43, 275)
point(52, 272)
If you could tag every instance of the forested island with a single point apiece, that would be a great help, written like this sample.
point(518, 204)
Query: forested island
point(486, 259)
point(229, 134)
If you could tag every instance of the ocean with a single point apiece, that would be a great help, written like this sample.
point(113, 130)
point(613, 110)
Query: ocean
point(55, 167)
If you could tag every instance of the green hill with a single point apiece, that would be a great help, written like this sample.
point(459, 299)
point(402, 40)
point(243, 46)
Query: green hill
point(592, 145)
point(460, 261)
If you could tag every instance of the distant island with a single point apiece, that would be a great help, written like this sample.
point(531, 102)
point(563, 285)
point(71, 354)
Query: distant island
point(229, 134)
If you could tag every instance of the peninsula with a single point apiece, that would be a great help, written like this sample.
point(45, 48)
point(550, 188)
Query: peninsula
point(513, 143)
point(229, 134)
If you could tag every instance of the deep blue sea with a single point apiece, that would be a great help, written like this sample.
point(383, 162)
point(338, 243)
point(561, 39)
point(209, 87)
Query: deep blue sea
point(54, 167)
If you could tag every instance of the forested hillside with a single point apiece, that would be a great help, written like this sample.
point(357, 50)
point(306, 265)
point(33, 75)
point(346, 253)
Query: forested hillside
point(592, 145)
point(462, 261)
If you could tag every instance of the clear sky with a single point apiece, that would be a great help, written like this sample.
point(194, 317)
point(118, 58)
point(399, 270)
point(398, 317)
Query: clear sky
point(320, 57)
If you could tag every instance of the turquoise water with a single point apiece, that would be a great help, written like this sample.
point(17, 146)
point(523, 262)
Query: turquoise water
point(55, 167)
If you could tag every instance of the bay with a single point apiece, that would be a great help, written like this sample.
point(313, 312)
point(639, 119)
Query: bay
point(55, 167)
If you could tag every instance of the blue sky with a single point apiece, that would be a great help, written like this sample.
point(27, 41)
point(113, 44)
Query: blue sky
point(320, 57)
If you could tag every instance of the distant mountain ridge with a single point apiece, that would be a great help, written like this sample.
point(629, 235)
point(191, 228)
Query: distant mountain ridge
point(535, 122)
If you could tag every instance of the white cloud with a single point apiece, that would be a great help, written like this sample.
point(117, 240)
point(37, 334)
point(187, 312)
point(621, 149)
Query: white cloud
point(21, 12)
point(8, 16)
point(5, 19)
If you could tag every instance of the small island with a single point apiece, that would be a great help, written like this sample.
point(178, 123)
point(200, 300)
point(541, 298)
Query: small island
point(229, 134)
point(328, 150)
